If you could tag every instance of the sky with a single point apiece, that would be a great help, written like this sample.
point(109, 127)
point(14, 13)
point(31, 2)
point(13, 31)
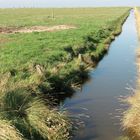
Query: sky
point(66, 3)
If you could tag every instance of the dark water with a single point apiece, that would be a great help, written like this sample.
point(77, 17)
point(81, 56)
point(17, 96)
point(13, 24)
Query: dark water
point(107, 82)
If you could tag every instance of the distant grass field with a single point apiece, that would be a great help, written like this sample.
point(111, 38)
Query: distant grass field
point(76, 16)
point(42, 63)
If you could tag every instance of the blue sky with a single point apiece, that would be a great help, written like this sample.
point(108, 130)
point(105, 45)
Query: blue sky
point(67, 3)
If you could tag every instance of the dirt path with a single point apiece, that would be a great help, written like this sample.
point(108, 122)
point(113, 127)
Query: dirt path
point(6, 30)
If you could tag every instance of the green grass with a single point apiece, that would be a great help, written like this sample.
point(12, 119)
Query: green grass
point(19, 52)
point(42, 63)
point(76, 16)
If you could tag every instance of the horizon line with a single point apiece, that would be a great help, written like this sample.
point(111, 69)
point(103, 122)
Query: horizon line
point(19, 7)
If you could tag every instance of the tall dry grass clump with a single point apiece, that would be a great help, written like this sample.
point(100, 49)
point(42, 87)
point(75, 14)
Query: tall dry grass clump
point(9, 132)
point(24, 116)
point(131, 120)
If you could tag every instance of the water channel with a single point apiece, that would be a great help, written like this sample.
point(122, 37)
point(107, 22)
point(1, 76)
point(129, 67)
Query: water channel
point(108, 81)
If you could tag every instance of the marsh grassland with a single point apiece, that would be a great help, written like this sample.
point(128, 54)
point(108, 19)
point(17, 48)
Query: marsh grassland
point(38, 65)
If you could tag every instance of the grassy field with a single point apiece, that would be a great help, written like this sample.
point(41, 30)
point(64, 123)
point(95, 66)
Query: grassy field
point(77, 16)
point(20, 53)
point(41, 63)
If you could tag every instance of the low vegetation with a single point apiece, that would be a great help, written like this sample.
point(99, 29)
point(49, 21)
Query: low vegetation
point(37, 65)
point(131, 120)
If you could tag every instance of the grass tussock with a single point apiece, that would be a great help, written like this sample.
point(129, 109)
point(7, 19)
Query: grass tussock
point(8, 131)
point(131, 120)
point(31, 118)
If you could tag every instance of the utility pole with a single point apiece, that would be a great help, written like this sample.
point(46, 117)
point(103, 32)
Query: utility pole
point(52, 13)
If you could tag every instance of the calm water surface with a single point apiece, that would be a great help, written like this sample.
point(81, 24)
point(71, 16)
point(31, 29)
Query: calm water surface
point(107, 82)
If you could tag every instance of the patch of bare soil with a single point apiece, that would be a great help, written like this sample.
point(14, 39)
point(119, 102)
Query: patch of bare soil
point(6, 30)
point(3, 40)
